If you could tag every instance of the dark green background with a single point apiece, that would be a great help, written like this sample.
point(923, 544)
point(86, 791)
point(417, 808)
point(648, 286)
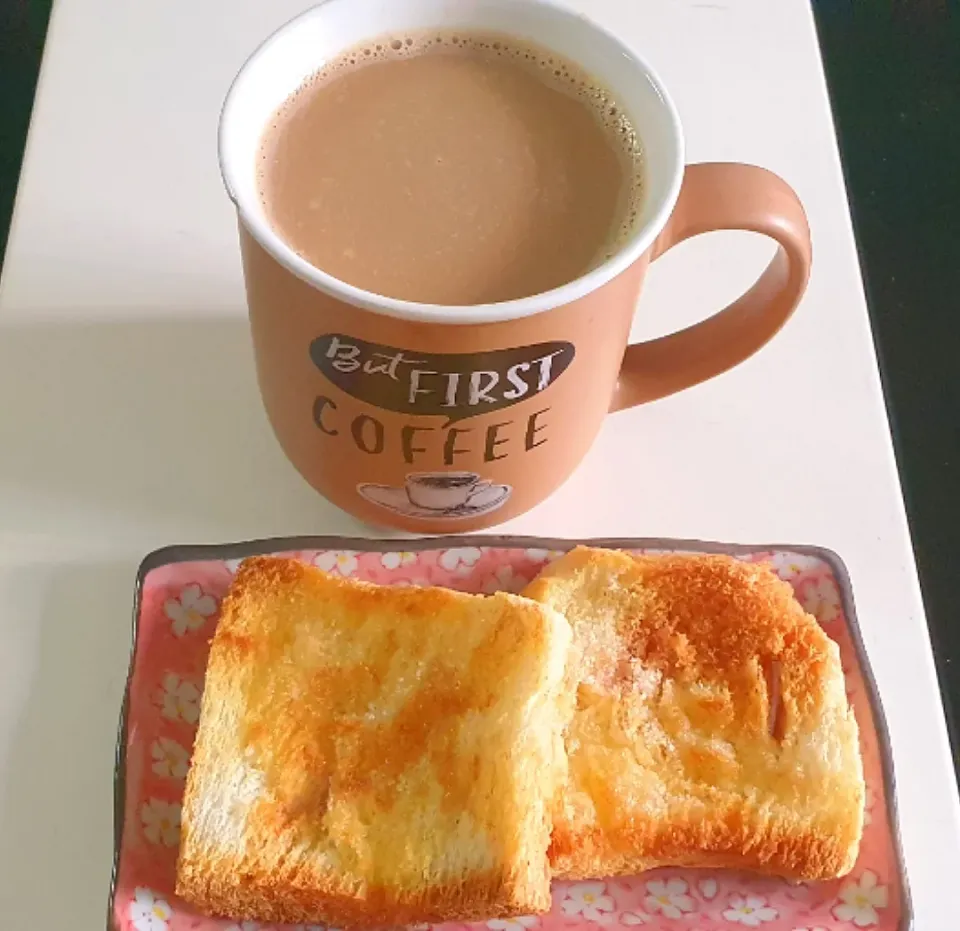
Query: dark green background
point(893, 68)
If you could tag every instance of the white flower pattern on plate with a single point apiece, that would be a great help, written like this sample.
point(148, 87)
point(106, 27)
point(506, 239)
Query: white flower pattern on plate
point(635, 918)
point(231, 565)
point(512, 924)
point(161, 822)
point(708, 888)
point(243, 926)
point(339, 562)
point(749, 910)
point(588, 899)
point(396, 560)
point(668, 897)
point(148, 912)
point(180, 699)
point(505, 580)
point(170, 759)
point(538, 555)
point(817, 928)
point(860, 899)
point(191, 610)
point(461, 558)
point(789, 565)
point(822, 600)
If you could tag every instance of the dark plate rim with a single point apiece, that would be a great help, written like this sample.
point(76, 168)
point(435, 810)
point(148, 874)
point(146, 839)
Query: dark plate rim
point(169, 555)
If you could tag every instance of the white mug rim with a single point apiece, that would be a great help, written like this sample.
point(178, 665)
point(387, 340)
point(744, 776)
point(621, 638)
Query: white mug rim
point(639, 241)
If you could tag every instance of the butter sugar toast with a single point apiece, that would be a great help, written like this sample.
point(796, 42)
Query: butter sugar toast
point(374, 756)
point(712, 726)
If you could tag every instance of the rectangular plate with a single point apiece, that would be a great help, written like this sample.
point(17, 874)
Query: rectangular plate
point(177, 601)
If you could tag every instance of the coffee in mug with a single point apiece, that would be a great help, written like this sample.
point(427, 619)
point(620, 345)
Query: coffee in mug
point(455, 168)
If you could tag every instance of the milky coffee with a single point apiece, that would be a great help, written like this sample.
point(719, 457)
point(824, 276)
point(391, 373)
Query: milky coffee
point(451, 168)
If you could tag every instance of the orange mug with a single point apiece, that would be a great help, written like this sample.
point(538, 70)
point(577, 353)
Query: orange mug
point(444, 419)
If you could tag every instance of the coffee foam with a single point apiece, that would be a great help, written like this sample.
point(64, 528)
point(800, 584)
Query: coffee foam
point(553, 68)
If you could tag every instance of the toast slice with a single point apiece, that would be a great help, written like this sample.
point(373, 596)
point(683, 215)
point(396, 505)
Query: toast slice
point(372, 756)
point(711, 727)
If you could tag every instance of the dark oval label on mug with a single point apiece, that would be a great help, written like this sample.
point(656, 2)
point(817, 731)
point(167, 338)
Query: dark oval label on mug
point(451, 385)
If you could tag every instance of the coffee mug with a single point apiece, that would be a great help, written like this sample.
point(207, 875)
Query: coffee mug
point(446, 419)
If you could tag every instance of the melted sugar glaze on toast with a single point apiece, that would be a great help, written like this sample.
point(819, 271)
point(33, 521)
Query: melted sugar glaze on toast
point(371, 755)
point(712, 726)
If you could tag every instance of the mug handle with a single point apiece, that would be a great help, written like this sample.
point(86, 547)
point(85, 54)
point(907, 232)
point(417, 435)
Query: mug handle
point(723, 196)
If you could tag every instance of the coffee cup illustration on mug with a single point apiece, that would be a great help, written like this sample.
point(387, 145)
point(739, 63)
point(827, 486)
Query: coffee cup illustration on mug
point(446, 495)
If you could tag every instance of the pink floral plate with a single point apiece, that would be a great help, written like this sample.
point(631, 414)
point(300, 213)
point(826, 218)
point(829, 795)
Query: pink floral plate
point(177, 601)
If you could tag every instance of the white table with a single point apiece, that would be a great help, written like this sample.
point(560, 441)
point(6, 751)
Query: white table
point(129, 414)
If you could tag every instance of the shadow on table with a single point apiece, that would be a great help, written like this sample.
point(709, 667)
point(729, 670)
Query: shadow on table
point(57, 835)
point(152, 417)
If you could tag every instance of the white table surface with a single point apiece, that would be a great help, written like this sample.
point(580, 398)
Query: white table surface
point(129, 414)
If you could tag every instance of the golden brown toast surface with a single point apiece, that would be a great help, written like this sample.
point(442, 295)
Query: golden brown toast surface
point(370, 755)
point(712, 726)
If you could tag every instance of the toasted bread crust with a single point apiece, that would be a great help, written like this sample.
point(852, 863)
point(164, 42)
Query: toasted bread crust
point(712, 726)
point(269, 900)
point(372, 756)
